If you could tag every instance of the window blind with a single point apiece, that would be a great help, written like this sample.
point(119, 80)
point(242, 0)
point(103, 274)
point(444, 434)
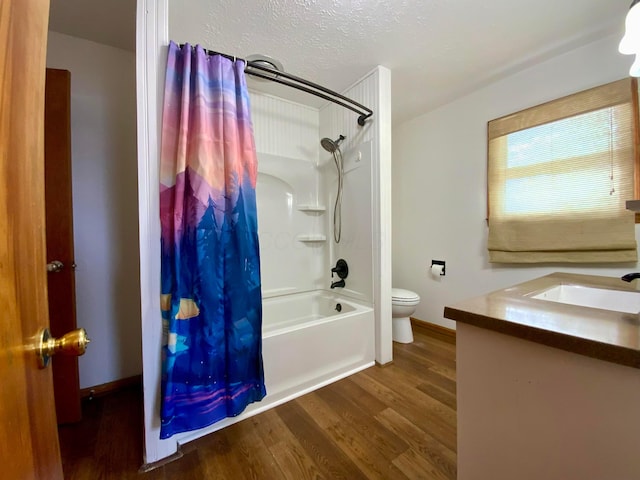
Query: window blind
point(558, 178)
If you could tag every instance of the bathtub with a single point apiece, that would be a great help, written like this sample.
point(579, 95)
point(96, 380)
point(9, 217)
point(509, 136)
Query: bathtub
point(309, 340)
point(289, 313)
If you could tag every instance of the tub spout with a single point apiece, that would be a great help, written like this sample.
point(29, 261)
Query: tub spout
point(630, 276)
point(340, 283)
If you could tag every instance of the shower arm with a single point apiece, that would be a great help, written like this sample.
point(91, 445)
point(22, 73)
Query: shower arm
point(300, 84)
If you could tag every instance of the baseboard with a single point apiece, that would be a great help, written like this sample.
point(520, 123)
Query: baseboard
point(110, 387)
point(383, 365)
point(147, 467)
point(442, 333)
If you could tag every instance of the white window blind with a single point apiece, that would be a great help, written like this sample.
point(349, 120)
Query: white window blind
point(558, 178)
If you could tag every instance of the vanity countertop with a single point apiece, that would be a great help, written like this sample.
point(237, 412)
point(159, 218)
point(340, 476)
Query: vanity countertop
point(602, 334)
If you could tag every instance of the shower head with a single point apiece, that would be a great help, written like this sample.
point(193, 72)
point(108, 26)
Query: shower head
point(331, 145)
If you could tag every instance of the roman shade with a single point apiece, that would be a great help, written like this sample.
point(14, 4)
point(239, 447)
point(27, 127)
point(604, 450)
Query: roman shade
point(558, 178)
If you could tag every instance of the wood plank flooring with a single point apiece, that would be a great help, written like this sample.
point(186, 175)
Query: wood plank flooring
point(396, 422)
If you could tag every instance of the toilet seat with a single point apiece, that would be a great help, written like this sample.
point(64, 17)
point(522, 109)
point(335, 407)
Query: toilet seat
point(400, 296)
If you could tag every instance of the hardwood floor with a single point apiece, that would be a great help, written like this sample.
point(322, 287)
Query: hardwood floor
point(396, 422)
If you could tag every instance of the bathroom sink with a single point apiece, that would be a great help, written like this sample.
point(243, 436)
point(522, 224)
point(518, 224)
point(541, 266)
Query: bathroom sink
point(616, 300)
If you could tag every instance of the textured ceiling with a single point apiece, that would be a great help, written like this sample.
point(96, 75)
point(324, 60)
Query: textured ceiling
point(111, 22)
point(436, 49)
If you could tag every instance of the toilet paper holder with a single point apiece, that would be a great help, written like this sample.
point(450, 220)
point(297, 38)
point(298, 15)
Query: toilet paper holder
point(439, 262)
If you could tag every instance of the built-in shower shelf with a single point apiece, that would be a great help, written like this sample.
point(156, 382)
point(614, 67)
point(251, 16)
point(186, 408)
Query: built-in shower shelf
point(311, 238)
point(312, 208)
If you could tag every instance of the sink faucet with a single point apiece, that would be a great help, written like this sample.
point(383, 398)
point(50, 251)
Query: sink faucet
point(630, 276)
point(340, 283)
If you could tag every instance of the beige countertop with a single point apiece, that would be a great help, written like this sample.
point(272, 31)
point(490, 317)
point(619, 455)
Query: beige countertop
point(602, 334)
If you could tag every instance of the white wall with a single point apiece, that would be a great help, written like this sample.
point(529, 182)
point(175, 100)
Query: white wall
point(282, 127)
point(439, 181)
point(103, 134)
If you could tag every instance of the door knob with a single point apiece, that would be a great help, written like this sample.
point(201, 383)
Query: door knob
point(72, 343)
point(55, 266)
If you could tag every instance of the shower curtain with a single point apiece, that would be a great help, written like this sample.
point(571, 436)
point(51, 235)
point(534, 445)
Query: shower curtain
point(210, 274)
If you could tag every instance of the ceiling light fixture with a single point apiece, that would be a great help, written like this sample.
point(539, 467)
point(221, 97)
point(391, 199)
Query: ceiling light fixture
point(630, 43)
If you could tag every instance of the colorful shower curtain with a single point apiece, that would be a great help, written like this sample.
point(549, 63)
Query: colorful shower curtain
point(210, 300)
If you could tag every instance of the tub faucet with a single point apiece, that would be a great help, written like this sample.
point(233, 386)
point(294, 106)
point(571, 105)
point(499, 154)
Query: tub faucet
point(342, 270)
point(630, 276)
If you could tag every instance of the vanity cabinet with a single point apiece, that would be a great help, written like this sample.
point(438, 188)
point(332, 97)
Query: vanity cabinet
point(547, 390)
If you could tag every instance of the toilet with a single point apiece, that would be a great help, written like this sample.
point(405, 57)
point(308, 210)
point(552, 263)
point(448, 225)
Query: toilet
point(403, 304)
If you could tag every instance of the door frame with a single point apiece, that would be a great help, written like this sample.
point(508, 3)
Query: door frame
point(152, 39)
point(60, 239)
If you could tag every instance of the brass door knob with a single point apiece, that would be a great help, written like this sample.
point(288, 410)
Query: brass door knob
point(72, 343)
point(55, 266)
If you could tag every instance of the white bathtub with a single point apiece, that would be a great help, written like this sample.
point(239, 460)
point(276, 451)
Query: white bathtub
point(287, 313)
point(306, 344)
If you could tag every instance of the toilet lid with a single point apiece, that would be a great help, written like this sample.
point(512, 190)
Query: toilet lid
point(401, 295)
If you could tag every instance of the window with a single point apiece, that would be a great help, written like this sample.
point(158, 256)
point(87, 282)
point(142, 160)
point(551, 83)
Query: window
point(558, 178)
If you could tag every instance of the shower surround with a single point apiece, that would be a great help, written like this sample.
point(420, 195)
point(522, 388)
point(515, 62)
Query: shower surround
point(311, 335)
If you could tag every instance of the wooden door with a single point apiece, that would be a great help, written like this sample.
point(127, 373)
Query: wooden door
point(59, 226)
point(28, 433)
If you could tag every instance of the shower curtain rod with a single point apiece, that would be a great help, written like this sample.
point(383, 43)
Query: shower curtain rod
point(300, 84)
